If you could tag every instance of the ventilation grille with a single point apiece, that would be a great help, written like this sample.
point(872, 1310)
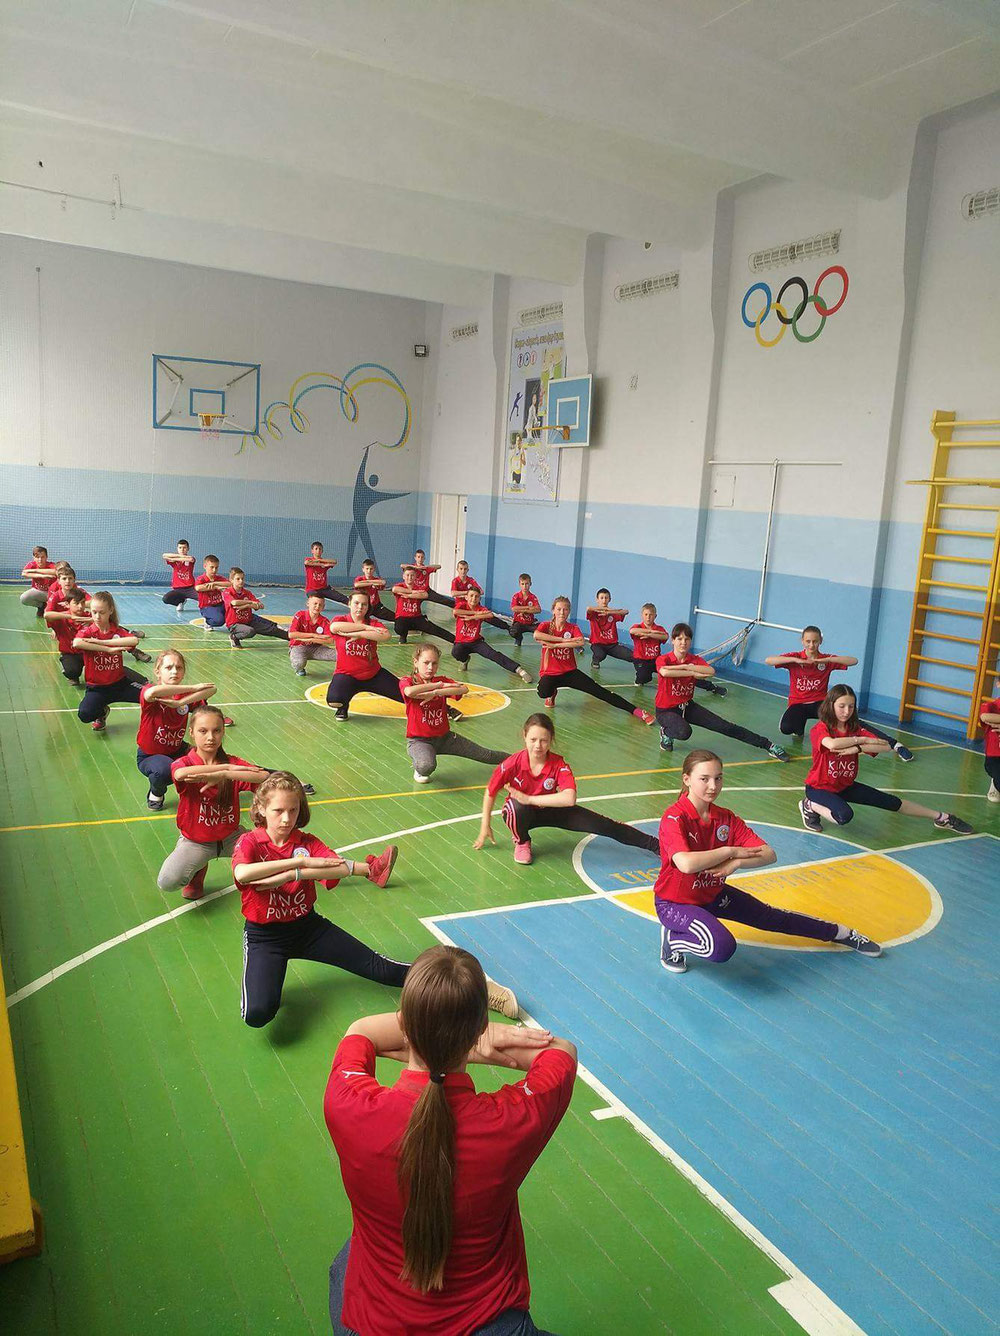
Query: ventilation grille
point(465, 331)
point(647, 287)
point(981, 203)
point(538, 315)
point(825, 243)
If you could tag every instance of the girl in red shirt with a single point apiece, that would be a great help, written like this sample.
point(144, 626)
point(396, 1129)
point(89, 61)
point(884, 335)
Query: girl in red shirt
point(541, 791)
point(701, 845)
point(560, 639)
point(469, 616)
point(102, 644)
point(163, 718)
point(989, 717)
point(276, 866)
point(839, 741)
point(431, 1167)
point(357, 637)
point(426, 697)
point(209, 784)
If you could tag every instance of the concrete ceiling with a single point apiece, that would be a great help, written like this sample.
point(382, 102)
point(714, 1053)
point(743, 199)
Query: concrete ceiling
point(420, 146)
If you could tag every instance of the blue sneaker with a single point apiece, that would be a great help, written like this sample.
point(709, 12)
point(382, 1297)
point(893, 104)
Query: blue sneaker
point(778, 753)
point(864, 946)
point(666, 742)
point(671, 960)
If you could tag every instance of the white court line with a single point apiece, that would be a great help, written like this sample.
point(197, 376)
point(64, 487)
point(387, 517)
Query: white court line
point(815, 1312)
point(26, 631)
point(229, 704)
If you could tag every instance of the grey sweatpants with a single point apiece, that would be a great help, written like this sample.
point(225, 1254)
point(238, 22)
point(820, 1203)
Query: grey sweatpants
point(425, 751)
point(301, 654)
point(257, 626)
point(190, 856)
point(34, 598)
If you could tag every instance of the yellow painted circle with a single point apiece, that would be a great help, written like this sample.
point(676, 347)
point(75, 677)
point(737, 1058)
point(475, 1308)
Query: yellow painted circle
point(480, 700)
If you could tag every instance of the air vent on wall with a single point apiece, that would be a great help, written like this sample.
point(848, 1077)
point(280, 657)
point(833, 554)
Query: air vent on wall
point(981, 202)
point(646, 287)
point(537, 315)
point(465, 331)
point(824, 243)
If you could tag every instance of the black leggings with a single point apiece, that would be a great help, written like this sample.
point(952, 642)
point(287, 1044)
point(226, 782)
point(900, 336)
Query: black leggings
point(175, 597)
point(551, 682)
point(405, 626)
point(522, 820)
point(343, 688)
point(518, 630)
point(98, 700)
point(796, 716)
point(461, 652)
point(268, 947)
point(676, 723)
point(72, 667)
point(326, 591)
point(601, 652)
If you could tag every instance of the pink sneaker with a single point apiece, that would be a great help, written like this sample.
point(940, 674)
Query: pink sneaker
point(380, 865)
point(645, 716)
point(522, 852)
point(99, 725)
point(550, 702)
point(195, 888)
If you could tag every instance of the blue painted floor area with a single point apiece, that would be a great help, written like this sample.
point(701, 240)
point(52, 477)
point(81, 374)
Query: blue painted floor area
point(845, 1106)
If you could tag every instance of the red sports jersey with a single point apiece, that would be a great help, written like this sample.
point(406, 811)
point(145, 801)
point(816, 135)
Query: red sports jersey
point(683, 831)
point(43, 582)
point(103, 668)
point(467, 629)
point(181, 573)
point(63, 631)
point(426, 718)
point(498, 1136)
point(809, 683)
point(316, 576)
point(356, 656)
point(200, 816)
point(462, 584)
point(236, 615)
point(161, 729)
point(292, 899)
point(374, 602)
point(515, 773)
point(421, 578)
point(647, 649)
point(991, 736)
point(524, 606)
point(673, 691)
point(604, 627)
point(303, 623)
point(555, 659)
point(408, 607)
point(832, 770)
point(207, 598)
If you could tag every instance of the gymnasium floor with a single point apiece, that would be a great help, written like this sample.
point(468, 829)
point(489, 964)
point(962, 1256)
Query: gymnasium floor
point(833, 1110)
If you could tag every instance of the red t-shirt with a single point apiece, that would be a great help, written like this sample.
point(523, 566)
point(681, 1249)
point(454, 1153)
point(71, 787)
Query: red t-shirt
point(161, 729)
point(647, 649)
point(316, 576)
point(44, 582)
point(604, 627)
point(292, 899)
point(374, 602)
point(181, 573)
point(524, 606)
point(809, 683)
point(421, 578)
point(356, 656)
point(462, 584)
point(515, 773)
point(200, 817)
point(991, 736)
point(683, 831)
point(467, 629)
point(207, 598)
point(235, 615)
point(302, 622)
point(832, 770)
point(103, 668)
point(426, 718)
point(498, 1137)
point(63, 631)
point(408, 607)
point(555, 659)
point(674, 691)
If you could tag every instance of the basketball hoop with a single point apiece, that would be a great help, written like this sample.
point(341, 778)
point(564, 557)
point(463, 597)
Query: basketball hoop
point(555, 426)
point(210, 424)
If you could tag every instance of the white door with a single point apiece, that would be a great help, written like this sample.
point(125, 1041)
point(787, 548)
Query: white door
point(447, 538)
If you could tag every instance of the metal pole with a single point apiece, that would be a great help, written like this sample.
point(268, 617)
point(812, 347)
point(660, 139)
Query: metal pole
point(767, 540)
point(746, 621)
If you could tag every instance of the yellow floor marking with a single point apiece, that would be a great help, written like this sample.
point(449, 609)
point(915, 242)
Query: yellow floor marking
point(480, 700)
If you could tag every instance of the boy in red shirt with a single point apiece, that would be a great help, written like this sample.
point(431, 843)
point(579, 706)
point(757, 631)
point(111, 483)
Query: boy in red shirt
point(181, 565)
point(411, 595)
point(989, 717)
point(309, 635)
point(604, 622)
point(469, 618)
point(209, 589)
point(317, 569)
point(241, 606)
point(524, 606)
point(370, 582)
point(66, 612)
point(41, 572)
point(560, 639)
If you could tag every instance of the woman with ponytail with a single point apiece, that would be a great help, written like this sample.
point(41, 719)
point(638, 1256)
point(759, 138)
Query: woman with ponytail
point(432, 1168)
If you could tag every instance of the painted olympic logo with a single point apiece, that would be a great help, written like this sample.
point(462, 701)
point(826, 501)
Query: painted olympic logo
point(785, 320)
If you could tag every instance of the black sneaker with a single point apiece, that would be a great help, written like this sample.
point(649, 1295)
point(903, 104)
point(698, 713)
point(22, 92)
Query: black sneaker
point(154, 803)
point(778, 753)
point(671, 960)
point(948, 821)
point(141, 656)
point(902, 752)
point(666, 741)
point(456, 716)
point(236, 644)
point(340, 714)
point(810, 817)
point(864, 946)
point(718, 689)
point(308, 790)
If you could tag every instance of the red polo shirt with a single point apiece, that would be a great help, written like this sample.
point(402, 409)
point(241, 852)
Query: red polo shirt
point(498, 1137)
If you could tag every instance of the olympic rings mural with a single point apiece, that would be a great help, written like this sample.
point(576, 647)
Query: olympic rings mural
point(345, 387)
point(806, 299)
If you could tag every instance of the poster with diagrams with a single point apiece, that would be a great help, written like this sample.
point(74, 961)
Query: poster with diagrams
point(531, 463)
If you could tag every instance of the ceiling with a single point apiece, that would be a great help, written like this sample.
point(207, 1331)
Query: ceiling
point(420, 146)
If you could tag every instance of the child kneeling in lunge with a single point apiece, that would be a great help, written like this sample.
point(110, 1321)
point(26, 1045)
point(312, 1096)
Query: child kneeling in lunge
point(701, 845)
point(428, 736)
point(163, 719)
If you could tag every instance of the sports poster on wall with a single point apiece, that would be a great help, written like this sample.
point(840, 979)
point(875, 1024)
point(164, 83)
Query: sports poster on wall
point(531, 466)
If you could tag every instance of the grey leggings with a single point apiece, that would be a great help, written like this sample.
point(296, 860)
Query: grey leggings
point(301, 654)
point(425, 751)
point(34, 598)
point(190, 856)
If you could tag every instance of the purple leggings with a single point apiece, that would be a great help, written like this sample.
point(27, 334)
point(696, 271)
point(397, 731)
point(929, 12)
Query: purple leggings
point(696, 930)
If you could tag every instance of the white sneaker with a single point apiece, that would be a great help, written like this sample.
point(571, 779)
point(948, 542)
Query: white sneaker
point(524, 675)
point(501, 999)
point(418, 778)
point(993, 793)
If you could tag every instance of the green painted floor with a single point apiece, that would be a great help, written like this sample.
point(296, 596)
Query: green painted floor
point(181, 1160)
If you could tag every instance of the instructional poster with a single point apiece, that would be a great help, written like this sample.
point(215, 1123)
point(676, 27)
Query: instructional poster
point(531, 466)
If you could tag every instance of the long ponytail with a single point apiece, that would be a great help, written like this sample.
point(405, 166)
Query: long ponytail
point(443, 1010)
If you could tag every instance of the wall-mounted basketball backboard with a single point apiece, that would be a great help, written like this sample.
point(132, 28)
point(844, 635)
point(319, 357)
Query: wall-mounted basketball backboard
point(567, 411)
point(187, 388)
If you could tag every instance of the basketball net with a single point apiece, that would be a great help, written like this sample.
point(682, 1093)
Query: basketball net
point(210, 424)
